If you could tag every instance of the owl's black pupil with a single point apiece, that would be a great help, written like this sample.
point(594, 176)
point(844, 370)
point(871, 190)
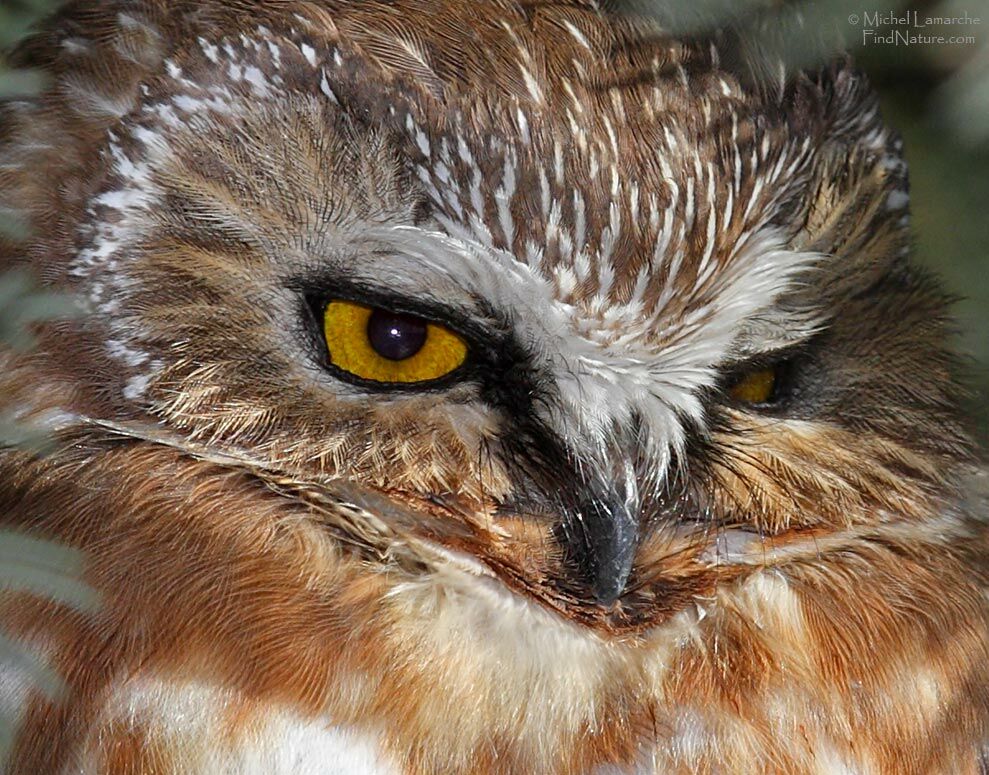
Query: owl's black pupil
point(395, 336)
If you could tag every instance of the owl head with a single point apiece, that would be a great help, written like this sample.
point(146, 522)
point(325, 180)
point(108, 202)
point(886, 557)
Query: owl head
point(599, 316)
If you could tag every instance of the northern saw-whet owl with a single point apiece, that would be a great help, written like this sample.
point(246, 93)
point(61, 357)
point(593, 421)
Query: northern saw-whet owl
point(481, 387)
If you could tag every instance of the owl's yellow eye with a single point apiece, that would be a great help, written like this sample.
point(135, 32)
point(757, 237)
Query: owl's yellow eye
point(383, 346)
point(756, 387)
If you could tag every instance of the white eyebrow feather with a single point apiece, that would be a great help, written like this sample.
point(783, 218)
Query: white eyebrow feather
point(598, 385)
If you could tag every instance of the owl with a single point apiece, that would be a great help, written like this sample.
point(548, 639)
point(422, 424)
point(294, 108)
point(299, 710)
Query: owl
point(481, 387)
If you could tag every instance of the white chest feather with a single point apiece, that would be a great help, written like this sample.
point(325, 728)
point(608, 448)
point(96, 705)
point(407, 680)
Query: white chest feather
point(206, 731)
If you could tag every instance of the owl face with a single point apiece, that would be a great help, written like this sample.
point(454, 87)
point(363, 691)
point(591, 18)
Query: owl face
point(604, 327)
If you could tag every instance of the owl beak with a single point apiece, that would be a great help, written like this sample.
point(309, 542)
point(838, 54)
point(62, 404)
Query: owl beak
point(593, 500)
point(603, 531)
point(606, 539)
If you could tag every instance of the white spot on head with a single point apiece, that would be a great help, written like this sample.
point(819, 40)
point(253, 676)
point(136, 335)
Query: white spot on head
point(257, 79)
point(535, 91)
point(77, 46)
point(276, 53)
point(210, 50)
point(324, 86)
point(128, 355)
point(577, 34)
point(309, 53)
point(897, 200)
point(136, 387)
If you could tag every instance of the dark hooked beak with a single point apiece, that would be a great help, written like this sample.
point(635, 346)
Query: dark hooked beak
point(596, 500)
point(606, 539)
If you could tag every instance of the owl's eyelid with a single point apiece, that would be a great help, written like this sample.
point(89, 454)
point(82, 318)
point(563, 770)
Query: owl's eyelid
point(468, 324)
point(790, 354)
point(740, 369)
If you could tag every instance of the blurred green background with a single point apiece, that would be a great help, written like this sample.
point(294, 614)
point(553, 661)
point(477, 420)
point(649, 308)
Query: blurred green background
point(937, 95)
